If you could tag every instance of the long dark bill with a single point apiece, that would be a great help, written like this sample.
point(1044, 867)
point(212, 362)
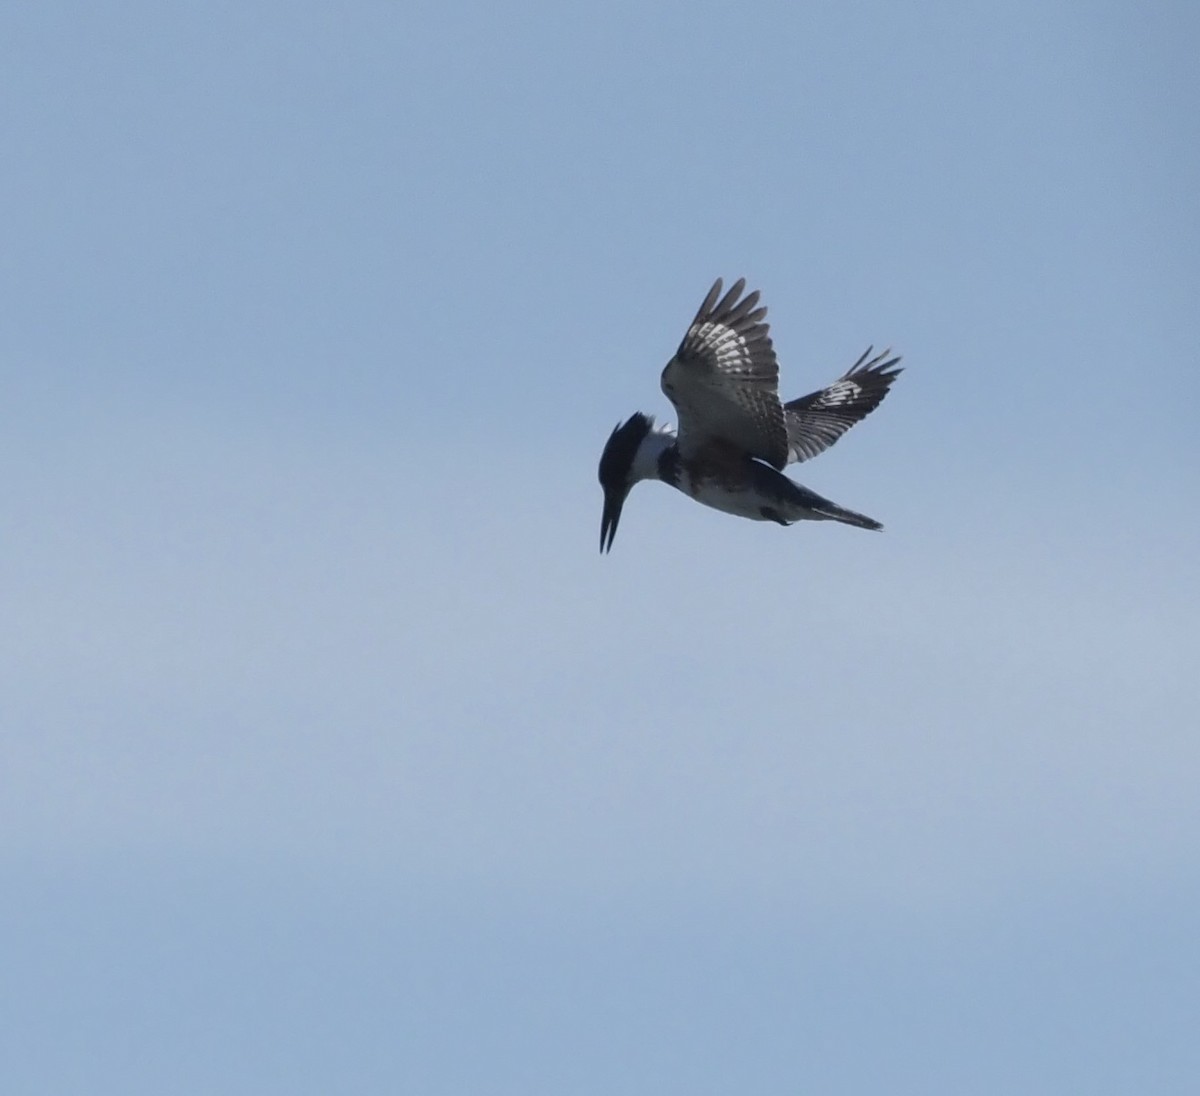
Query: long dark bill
point(608, 523)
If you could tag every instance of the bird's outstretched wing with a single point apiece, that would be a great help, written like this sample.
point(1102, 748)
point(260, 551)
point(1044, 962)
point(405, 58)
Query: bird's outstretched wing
point(814, 422)
point(724, 380)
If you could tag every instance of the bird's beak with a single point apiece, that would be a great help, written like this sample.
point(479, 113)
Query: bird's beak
point(608, 523)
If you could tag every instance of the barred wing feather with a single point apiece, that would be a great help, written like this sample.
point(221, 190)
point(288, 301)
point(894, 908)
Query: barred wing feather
point(814, 422)
point(724, 379)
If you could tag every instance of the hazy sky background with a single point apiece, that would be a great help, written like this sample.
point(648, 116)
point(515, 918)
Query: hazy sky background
point(334, 758)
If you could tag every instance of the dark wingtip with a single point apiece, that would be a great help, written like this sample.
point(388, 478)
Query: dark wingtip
point(884, 366)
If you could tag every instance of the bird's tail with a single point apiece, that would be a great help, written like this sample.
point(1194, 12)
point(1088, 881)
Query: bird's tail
point(834, 512)
point(816, 507)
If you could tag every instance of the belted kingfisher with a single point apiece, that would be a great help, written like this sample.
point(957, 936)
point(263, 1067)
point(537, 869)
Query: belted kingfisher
point(735, 437)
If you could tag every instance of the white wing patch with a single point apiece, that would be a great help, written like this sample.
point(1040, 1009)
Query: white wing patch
point(816, 421)
point(723, 379)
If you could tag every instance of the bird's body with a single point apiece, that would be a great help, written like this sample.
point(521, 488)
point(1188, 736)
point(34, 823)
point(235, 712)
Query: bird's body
point(721, 476)
point(734, 436)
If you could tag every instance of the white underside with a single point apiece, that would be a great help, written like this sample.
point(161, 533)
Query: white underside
point(745, 503)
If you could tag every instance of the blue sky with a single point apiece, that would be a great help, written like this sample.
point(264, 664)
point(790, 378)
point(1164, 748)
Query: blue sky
point(333, 757)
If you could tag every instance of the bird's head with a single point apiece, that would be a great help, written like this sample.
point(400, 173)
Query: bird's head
point(622, 464)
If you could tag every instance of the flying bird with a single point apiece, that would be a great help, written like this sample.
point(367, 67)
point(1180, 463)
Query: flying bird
point(734, 436)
